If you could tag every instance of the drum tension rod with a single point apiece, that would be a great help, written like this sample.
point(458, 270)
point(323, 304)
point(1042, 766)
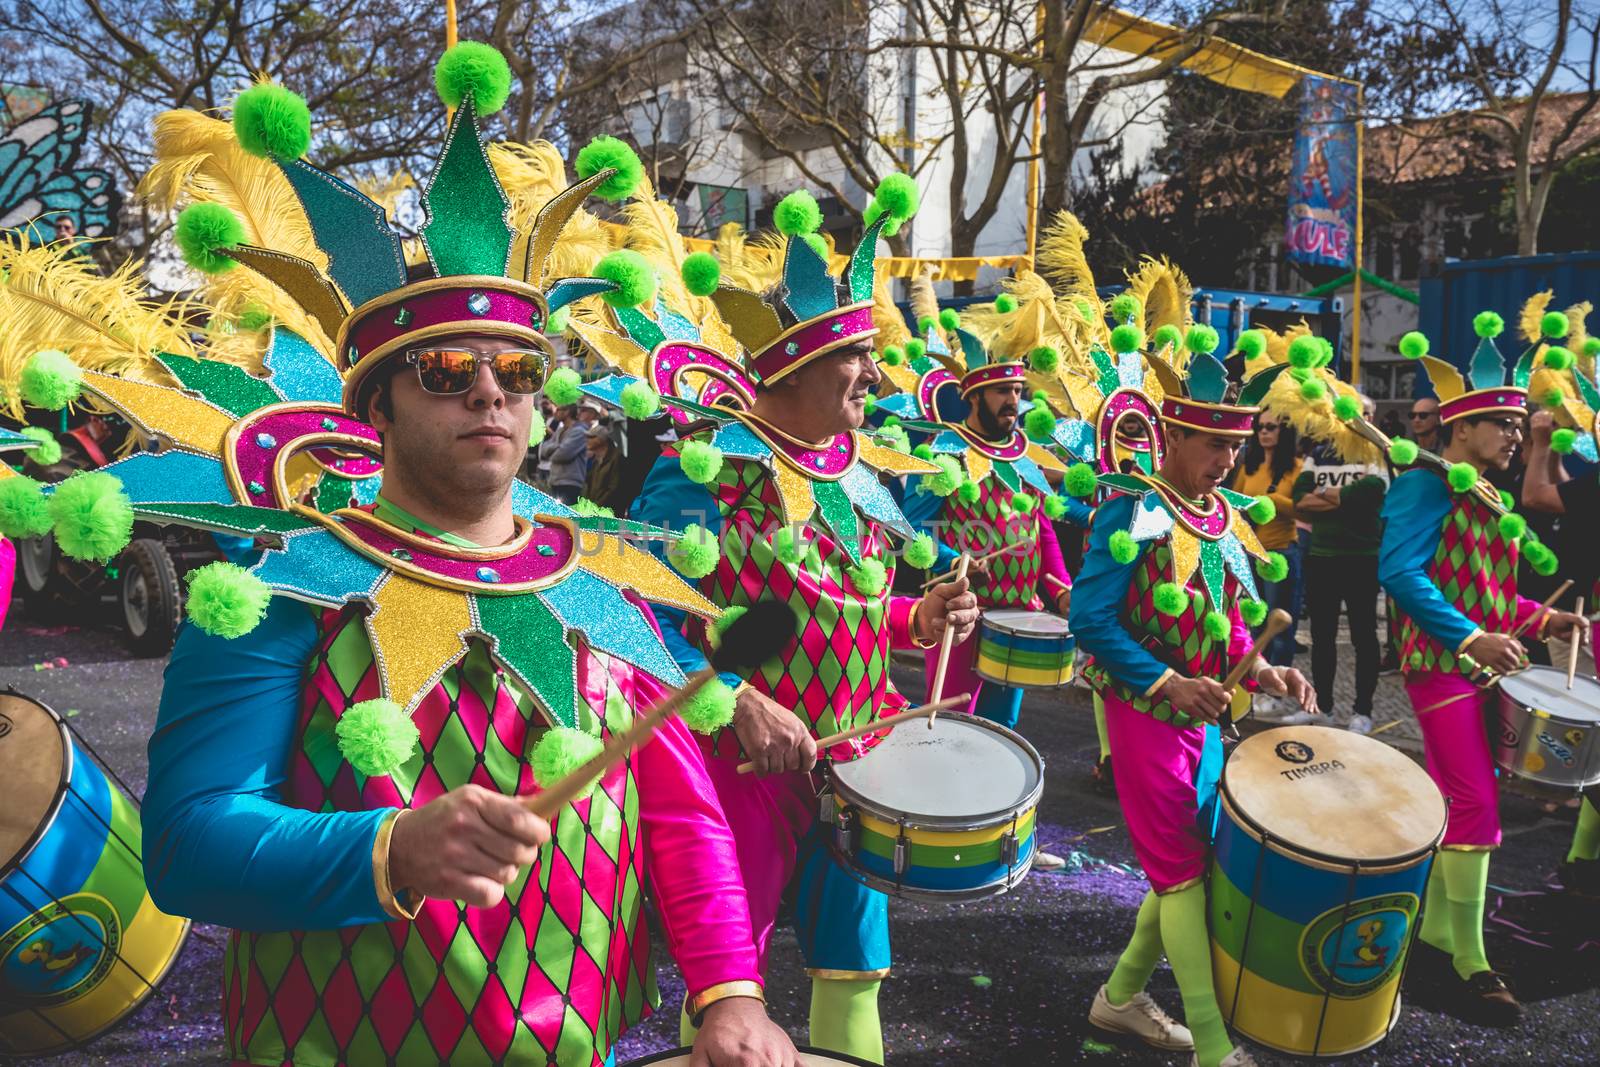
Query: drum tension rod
point(902, 851)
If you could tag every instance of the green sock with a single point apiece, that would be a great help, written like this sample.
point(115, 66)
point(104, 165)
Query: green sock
point(1139, 958)
point(1586, 838)
point(687, 1031)
point(1188, 945)
point(844, 1017)
point(1436, 911)
point(1466, 882)
point(1100, 726)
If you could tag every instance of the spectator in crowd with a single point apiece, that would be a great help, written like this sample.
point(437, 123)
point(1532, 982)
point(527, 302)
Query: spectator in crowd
point(564, 449)
point(1342, 501)
point(1425, 423)
point(541, 461)
point(1270, 466)
point(1392, 425)
point(604, 484)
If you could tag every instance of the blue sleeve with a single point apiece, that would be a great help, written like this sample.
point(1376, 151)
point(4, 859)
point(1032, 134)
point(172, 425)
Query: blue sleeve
point(1098, 594)
point(1079, 511)
point(924, 509)
point(671, 500)
point(220, 846)
point(1414, 513)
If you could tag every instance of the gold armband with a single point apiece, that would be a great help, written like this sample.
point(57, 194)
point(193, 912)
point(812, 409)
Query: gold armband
point(911, 625)
point(392, 904)
point(695, 1006)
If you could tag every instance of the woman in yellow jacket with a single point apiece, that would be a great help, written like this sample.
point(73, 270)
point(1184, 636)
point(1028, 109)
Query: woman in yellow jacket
point(1270, 465)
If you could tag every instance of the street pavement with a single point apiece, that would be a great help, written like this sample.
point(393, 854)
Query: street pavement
point(1001, 981)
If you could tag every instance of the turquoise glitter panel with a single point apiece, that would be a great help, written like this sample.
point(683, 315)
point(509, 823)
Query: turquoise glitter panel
point(567, 290)
point(837, 510)
point(1238, 561)
point(9, 440)
point(299, 371)
point(674, 325)
point(229, 387)
point(874, 500)
point(1030, 472)
point(466, 231)
point(902, 404)
point(738, 442)
point(808, 287)
point(528, 502)
point(948, 441)
point(1151, 519)
point(364, 254)
point(610, 623)
point(861, 262)
point(1488, 367)
point(531, 643)
point(319, 568)
point(641, 329)
point(1585, 447)
point(1130, 370)
point(366, 490)
point(973, 351)
point(173, 476)
point(609, 389)
point(1077, 437)
point(228, 518)
point(1214, 572)
point(1207, 379)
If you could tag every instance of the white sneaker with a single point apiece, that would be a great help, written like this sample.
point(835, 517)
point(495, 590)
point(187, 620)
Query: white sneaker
point(1299, 717)
point(1047, 861)
point(1237, 1058)
point(1359, 724)
point(1267, 707)
point(1144, 1019)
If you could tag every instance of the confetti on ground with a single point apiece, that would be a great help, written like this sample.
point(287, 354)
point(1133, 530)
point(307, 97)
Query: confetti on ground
point(1091, 1045)
point(71, 713)
point(982, 981)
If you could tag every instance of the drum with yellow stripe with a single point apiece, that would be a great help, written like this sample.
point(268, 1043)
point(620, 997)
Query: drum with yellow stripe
point(945, 813)
point(1324, 843)
point(1026, 649)
point(81, 944)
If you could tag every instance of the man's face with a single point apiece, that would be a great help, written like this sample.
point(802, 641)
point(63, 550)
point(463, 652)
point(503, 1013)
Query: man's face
point(1493, 440)
point(470, 442)
point(598, 443)
point(588, 416)
point(996, 407)
point(1201, 460)
point(837, 383)
point(65, 227)
point(1424, 417)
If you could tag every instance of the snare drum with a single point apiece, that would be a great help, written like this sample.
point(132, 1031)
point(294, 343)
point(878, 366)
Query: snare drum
point(1027, 649)
point(944, 814)
point(81, 944)
point(1548, 733)
point(809, 1057)
point(1324, 843)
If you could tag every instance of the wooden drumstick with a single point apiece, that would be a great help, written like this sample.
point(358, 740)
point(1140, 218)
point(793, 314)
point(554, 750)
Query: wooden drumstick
point(1020, 546)
point(949, 642)
point(1491, 678)
point(1523, 626)
point(755, 637)
point(927, 711)
point(1577, 643)
point(1277, 622)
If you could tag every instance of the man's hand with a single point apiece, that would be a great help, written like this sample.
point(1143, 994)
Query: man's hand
point(1064, 603)
point(1543, 424)
point(772, 736)
point(1199, 698)
point(949, 604)
point(1563, 623)
point(467, 845)
point(1330, 493)
point(737, 1033)
point(1498, 652)
point(1286, 681)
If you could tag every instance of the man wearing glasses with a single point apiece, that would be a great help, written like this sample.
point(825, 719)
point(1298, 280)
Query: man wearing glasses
point(1424, 426)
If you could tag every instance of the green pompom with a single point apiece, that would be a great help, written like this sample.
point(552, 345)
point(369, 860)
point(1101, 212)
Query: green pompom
point(1201, 338)
point(1080, 480)
point(894, 355)
point(1325, 351)
point(1346, 407)
point(1591, 347)
point(1313, 389)
point(588, 509)
point(1487, 324)
point(255, 317)
point(1251, 344)
point(947, 480)
point(226, 600)
point(922, 553)
point(1414, 344)
point(1123, 547)
point(1127, 338)
point(1462, 476)
point(272, 122)
point(1005, 303)
point(376, 737)
point(916, 348)
point(701, 273)
point(1304, 352)
point(557, 325)
point(926, 323)
point(473, 71)
point(949, 318)
point(640, 402)
point(24, 511)
point(897, 196)
point(1055, 506)
point(695, 553)
point(797, 214)
point(1563, 440)
point(787, 545)
point(1125, 307)
point(563, 388)
point(560, 752)
point(869, 404)
point(535, 432)
point(631, 273)
point(1166, 336)
point(869, 577)
point(92, 516)
point(700, 461)
point(1170, 599)
point(48, 453)
point(1552, 397)
point(723, 622)
point(50, 380)
point(896, 438)
point(710, 709)
point(1402, 453)
point(1558, 358)
point(1044, 359)
point(1275, 568)
point(1512, 526)
point(609, 153)
point(1039, 423)
point(967, 492)
point(1507, 501)
point(1540, 558)
point(891, 422)
point(1254, 612)
point(1216, 625)
point(1554, 324)
point(203, 230)
point(1262, 511)
point(923, 451)
point(1024, 503)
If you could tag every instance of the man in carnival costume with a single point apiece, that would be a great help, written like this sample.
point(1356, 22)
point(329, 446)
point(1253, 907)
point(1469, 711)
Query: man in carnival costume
point(791, 490)
point(1449, 559)
point(1162, 605)
point(12, 442)
point(338, 770)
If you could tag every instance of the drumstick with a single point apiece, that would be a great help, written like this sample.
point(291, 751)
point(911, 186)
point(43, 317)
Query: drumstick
point(1277, 622)
point(1572, 652)
point(949, 642)
point(1522, 627)
point(758, 635)
point(927, 710)
point(1493, 679)
point(1020, 546)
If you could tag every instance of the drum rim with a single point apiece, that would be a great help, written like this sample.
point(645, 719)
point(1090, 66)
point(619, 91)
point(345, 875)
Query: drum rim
point(1320, 860)
point(1510, 705)
point(988, 616)
point(1012, 879)
point(843, 793)
point(809, 1050)
point(53, 812)
point(1507, 698)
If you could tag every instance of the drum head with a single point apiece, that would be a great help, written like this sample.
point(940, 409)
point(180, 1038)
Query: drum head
point(1545, 689)
point(1031, 623)
point(809, 1057)
point(963, 769)
point(1333, 794)
point(33, 766)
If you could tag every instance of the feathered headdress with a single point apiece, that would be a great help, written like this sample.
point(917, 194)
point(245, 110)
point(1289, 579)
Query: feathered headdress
point(1489, 384)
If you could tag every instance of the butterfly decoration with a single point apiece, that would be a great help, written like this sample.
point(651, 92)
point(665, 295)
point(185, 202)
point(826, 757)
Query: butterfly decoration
point(40, 180)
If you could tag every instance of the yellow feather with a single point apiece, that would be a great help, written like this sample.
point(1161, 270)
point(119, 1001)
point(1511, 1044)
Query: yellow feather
point(1579, 335)
point(234, 292)
point(1062, 260)
point(886, 316)
point(531, 175)
point(1532, 312)
point(1164, 293)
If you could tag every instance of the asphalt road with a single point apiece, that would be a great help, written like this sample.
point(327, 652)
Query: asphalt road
point(1002, 981)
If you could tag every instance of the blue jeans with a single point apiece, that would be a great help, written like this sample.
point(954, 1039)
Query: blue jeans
point(1290, 595)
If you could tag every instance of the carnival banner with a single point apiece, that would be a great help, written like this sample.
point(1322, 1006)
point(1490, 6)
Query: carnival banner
point(1323, 184)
